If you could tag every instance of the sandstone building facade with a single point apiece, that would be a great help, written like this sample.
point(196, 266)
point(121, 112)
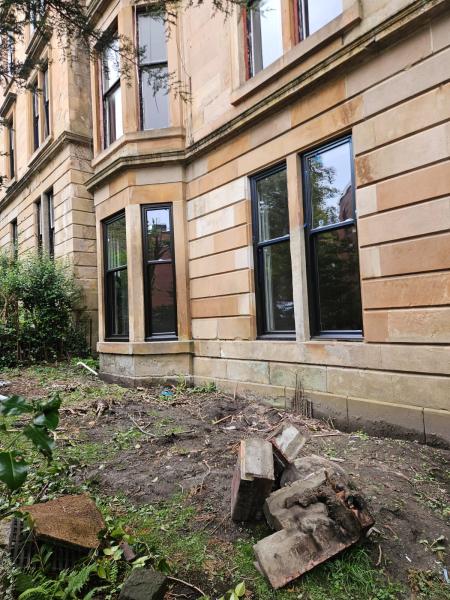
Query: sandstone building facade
point(285, 229)
point(46, 159)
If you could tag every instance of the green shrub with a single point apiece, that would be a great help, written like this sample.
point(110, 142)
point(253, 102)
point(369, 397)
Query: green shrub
point(40, 311)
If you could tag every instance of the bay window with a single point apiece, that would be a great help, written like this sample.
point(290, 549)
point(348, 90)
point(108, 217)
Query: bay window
point(332, 245)
point(159, 272)
point(116, 277)
point(153, 72)
point(275, 305)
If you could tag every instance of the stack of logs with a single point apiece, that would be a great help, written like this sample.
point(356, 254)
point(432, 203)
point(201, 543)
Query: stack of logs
point(308, 501)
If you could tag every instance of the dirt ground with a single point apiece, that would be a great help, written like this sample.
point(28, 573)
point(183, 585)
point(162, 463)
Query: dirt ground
point(187, 442)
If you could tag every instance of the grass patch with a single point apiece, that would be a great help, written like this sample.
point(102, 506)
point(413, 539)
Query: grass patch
point(351, 576)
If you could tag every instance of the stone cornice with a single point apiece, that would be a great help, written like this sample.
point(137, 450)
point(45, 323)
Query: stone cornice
point(353, 53)
point(9, 100)
point(42, 158)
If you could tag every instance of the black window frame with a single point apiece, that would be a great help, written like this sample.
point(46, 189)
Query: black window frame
point(46, 100)
point(149, 66)
point(310, 235)
point(35, 115)
point(109, 92)
point(15, 238)
point(107, 287)
point(51, 222)
point(263, 331)
point(149, 336)
point(39, 225)
point(11, 147)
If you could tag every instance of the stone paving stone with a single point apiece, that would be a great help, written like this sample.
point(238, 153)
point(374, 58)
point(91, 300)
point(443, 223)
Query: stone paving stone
point(72, 520)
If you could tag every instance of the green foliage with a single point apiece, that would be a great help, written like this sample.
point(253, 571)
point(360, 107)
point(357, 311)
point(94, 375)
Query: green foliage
point(235, 593)
point(68, 585)
point(44, 418)
point(40, 313)
point(350, 576)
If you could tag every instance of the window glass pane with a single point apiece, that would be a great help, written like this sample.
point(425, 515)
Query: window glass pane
point(161, 287)
point(159, 238)
point(116, 244)
point(114, 116)
point(338, 286)
point(267, 37)
point(154, 97)
point(279, 304)
point(273, 215)
point(330, 180)
point(119, 302)
point(152, 39)
point(321, 12)
point(111, 65)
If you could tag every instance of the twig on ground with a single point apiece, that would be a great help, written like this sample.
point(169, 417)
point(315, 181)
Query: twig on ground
point(380, 555)
point(223, 419)
point(141, 429)
point(187, 584)
point(317, 435)
point(218, 525)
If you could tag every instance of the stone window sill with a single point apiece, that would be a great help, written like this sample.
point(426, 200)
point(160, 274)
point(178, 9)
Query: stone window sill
point(136, 137)
point(45, 144)
point(166, 347)
point(345, 21)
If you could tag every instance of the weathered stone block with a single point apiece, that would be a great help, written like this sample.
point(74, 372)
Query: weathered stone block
point(288, 440)
point(144, 584)
point(318, 522)
point(252, 480)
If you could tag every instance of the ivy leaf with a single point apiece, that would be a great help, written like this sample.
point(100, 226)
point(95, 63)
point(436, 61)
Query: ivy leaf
point(43, 442)
point(15, 405)
point(13, 469)
point(101, 571)
point(239, 590)
point(50, 405)
point(49, 420)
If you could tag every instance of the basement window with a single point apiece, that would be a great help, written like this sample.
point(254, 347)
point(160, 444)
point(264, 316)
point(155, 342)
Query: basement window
point(264, 35)
point(112, 96)
point(159, 272)
point(275, 304)
point(315, 14)
point(331, 239)
point(116, 278)
point(153, 72)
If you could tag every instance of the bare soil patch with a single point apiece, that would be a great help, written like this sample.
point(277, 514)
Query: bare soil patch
point(151, 447)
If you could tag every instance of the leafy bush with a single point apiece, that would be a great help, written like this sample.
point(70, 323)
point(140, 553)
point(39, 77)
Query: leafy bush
point(40, 311)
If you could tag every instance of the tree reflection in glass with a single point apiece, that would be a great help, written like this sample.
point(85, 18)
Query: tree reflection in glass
point(332, 239)
point(273, 254)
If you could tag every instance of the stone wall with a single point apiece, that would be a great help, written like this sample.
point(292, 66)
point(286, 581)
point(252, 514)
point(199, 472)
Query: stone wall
point(378, 72)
